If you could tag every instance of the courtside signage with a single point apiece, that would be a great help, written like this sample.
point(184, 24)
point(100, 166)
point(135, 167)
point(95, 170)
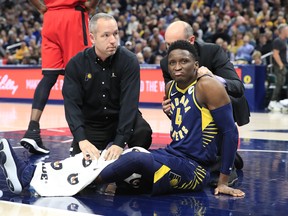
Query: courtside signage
point(20, 83)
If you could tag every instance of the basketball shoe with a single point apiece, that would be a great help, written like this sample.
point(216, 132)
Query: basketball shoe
point(275, 106)
point(33, 142)
point(17, 172)
point(284, 103)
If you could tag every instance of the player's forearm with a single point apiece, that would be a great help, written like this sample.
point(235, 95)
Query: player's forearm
point(278, 60)
point(223, 179)
point(94, 3)
point(39, 5)
point(91, 6)
point(223, 118)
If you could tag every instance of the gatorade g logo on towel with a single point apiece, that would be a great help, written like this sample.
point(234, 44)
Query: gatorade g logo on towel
point(86, 163)
point(73, 179)
point(57, 165)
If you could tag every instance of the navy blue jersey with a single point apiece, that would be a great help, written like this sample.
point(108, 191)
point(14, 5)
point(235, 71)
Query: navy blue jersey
point(193, 131)
point(182, 165)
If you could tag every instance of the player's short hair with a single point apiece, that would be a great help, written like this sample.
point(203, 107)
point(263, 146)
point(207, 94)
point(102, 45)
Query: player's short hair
point(184, 45)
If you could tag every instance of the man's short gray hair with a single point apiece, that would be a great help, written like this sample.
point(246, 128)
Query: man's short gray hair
point(188, 30)
point(95, 18)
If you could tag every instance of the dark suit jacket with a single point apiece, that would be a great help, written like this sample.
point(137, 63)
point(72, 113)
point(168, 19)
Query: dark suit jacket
point(213, 57)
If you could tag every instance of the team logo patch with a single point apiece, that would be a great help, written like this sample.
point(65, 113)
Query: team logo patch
point(88, 76)
point(174, 179)
point(73, 179)
point(57, 165)
point(113, 75)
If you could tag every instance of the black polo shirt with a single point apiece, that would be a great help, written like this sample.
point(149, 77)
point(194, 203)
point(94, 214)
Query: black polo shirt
point(97, 94)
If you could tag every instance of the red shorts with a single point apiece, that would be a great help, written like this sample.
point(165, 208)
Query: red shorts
point(64, 34)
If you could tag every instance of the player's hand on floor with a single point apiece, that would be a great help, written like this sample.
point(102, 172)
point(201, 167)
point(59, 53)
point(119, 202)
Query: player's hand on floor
point(90, 152)
point(113, 152)
point(224, 189)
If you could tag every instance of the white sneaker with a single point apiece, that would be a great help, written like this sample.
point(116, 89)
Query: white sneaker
point(9, 163)
point(275, 106)
point(284, 102)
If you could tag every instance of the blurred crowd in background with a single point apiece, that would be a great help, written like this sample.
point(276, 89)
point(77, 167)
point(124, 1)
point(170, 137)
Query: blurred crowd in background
point(245, 29)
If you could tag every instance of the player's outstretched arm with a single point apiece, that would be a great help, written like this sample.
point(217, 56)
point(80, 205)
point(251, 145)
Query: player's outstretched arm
point(212, 95)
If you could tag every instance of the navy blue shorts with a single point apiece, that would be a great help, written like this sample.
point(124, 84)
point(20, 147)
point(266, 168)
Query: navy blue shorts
point(176, 174)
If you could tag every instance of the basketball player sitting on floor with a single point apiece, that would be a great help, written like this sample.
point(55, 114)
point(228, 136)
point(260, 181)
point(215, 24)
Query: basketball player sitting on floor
point(201, 112)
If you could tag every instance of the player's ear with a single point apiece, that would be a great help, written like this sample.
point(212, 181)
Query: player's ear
point(196, 65)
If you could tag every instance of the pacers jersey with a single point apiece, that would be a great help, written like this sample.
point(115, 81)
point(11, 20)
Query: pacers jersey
point(193, 131)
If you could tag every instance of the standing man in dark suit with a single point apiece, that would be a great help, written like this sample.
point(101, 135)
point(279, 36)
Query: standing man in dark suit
point(213, 61)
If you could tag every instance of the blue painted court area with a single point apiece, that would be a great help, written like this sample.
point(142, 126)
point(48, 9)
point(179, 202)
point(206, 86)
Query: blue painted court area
point(264, 179)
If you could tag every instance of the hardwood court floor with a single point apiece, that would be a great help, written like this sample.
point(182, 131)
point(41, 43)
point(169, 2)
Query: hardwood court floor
point(264, 178)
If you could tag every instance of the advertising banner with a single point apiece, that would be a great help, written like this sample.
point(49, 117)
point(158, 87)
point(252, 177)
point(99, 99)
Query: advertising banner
point(20, 83)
